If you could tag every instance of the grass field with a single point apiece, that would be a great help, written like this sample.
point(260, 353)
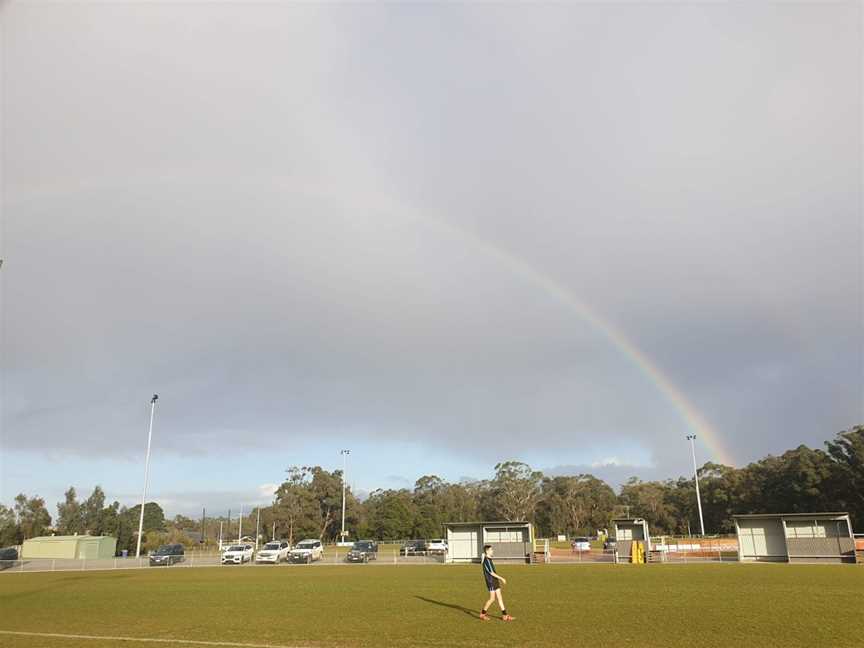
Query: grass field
point(350, 607)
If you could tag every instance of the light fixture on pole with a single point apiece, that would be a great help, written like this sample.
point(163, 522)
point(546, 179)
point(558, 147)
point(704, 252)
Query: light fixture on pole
point(344, 454)
point(146, 474)
point(692, 439)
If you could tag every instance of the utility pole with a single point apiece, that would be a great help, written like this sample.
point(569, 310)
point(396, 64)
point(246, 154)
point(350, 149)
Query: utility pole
point(344, 454)
point(146, 474)
point(692, 439)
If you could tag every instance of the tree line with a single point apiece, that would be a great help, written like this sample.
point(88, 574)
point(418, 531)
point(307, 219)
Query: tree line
point(309, 502)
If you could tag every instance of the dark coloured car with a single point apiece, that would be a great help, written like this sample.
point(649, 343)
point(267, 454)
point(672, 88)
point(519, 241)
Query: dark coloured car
point(8, 556)
point(414, 548)
point(363, 551)
point(167, 555)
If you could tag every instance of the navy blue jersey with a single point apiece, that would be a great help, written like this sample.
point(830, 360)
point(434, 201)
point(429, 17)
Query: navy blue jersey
point(488, 569)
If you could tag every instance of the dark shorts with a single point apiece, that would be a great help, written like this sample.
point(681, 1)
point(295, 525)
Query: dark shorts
point(492, 585)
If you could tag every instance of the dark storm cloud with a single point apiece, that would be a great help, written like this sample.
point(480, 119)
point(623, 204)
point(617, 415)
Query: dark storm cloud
point(255, 231)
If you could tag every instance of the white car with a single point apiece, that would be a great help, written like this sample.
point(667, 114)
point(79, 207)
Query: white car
point(273, 552)
point(306, 551)
point(580, 544)
point(237, 554)
point(436, 546)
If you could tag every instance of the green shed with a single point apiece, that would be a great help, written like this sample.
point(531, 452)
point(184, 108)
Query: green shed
point(77, 547)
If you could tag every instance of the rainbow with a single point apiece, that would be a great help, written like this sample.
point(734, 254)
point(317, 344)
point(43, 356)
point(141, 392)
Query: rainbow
point(695, 422)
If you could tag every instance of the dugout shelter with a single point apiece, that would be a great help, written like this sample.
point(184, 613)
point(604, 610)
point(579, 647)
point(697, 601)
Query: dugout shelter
point(628, 531)
point(795, 537)
point(510, 540)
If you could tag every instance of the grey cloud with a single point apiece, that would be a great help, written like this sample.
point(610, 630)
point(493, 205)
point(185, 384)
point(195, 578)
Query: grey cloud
point(268, 233)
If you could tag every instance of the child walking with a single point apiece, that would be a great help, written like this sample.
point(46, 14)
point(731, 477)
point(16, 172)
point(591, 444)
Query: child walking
point(492, 584)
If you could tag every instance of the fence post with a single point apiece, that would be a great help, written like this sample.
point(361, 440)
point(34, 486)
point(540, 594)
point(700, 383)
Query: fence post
point(395, 562)
point(53, 565)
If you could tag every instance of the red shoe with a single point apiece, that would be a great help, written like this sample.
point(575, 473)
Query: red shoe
point(484, 617)
point(507, 617)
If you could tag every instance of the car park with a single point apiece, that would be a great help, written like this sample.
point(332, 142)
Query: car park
point(273, 552)
point(167, 555)
point(414, 548)
point(363, 551)
point(437, 546)
point(306, 551)
point(237, 554)
point(581, 544)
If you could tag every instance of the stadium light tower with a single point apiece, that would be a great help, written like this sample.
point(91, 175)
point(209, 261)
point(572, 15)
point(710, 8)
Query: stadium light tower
point(692, 439)
point(344, 454)
point(146, 474)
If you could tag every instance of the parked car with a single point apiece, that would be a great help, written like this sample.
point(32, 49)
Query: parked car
point(610, 544)
point(273, 552)
point(8, 556)
point(167, 555)
point(414, 548)
point(306, 551)
point(237, 554)
point(363, 551)
point(581, 544)
point(436, 546)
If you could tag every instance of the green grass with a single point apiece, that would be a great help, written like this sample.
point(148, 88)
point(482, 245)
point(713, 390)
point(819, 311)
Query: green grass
point(400, 606)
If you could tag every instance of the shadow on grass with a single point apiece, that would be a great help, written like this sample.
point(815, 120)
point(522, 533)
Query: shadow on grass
point(452, 606)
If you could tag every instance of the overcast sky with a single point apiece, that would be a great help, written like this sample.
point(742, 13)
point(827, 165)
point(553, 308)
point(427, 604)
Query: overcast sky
point(317, 227)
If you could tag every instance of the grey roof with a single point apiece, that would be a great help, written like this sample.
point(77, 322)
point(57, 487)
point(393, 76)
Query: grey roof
point(790, 515)
point(495, 522)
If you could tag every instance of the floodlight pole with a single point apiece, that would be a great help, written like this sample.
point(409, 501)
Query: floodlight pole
point(146, 474)
point(240, 528)
point(344, 454)
point(257, 528)
point(692, 439)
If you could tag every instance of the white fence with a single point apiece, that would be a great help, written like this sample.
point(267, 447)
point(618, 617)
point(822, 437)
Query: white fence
point(194, 559)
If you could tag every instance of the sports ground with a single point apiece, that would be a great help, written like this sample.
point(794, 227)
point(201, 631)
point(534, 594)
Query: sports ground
point(400, 606)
